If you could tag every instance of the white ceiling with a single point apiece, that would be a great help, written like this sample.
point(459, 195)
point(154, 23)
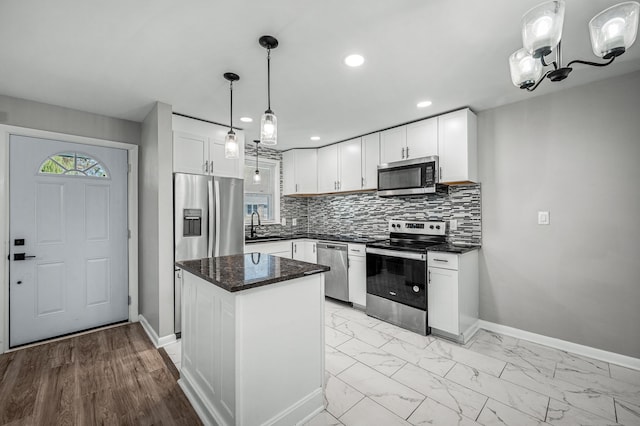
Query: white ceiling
point(117, 57)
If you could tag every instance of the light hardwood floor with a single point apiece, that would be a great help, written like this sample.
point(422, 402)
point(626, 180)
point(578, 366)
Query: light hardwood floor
point(113, 376)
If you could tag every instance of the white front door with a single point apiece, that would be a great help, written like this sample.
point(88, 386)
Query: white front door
point(68, 238)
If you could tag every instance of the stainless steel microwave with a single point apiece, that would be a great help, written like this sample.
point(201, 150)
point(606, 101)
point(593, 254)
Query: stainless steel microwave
point(408, 177)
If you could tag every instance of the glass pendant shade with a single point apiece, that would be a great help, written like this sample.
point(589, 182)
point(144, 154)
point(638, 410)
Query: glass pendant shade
point(256, 177)
point(231, 145)
point(614, 29)
point(542, 28)
point(525, 69)
point(269, 128)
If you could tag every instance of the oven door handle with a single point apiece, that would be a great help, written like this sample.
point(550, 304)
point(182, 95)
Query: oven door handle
point(396, 253)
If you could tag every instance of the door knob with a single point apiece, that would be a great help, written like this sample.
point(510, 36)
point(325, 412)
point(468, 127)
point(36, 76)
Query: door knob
point(22, 256)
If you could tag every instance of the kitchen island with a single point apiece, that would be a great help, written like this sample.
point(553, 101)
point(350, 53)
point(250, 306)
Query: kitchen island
point(253, 339)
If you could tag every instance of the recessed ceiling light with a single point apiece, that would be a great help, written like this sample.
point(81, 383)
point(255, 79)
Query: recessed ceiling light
point(424, 104)
point(246, 119)
point(315, 138)
point(354, 60)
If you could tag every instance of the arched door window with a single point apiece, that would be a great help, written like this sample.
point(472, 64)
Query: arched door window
point(73, 164)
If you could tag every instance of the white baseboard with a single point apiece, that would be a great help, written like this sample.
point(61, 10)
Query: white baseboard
point(563, 345)
point(158, 342)
point(197, 403)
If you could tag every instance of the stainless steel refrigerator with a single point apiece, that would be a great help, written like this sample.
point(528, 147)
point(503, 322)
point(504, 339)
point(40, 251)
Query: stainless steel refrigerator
point(208, 221)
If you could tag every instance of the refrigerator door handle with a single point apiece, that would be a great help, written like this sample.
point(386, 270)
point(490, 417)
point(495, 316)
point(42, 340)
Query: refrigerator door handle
point(211, 230)
point(217, 188)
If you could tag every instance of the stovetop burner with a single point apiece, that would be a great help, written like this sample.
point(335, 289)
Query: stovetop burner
point(412, 236)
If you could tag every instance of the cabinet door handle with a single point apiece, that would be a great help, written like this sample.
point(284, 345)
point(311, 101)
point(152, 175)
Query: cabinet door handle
point(338, 185)
point(295, 248)
point(402, 152)
point(362, 182)
point(407, 152)
point(206, 166)
point(296, 187)
point(314, 248)
point(440, 177)
point(441, 260)
point(429, 279)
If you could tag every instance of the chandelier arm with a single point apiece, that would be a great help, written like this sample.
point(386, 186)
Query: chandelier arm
point(555, 65)
point(531, 89)
point(593, 64)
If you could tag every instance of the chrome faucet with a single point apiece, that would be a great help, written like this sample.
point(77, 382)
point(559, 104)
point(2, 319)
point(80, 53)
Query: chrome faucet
point(253, 228)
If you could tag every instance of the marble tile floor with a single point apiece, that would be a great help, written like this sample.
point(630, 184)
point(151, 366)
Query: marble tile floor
point(380, 375)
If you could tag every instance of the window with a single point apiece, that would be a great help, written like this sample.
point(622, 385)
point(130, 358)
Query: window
point(73, 164)
point(263, 197)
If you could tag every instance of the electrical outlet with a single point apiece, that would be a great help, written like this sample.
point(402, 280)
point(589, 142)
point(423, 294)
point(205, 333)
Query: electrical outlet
point(543, 218)
point(283, 221)
point(294, 221)
point(453, 224)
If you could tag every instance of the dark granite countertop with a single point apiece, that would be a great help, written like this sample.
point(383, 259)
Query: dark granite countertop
point(244, 271)
point(453, 248)
point(356, 239)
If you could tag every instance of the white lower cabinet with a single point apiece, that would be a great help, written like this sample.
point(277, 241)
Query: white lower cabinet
point(452, 306)
point(357, 260)
point(275, 248)
point(305, 250)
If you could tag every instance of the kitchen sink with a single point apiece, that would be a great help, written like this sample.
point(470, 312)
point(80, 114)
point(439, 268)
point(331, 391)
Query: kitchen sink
point(264, 238)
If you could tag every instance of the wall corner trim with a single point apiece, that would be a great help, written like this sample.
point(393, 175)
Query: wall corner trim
point(158, 342)
point(563, 345)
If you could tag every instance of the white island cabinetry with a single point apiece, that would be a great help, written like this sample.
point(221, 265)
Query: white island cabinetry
point(254, 356)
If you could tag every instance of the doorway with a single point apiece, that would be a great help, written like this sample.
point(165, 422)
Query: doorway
point(68, 238)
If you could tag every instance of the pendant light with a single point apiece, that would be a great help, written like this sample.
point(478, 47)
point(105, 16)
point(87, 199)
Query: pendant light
point(612, 32)
point(269, 122)
point(256, 177)
point(231, 149)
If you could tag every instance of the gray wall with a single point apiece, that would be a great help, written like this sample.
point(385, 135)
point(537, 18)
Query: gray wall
point(53, 118)
point(575, 153)
point(156, 220)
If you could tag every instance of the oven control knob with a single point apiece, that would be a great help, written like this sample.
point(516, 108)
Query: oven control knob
point(430, 226)
point(393, 225)
point(437, 226)
point(416, 289)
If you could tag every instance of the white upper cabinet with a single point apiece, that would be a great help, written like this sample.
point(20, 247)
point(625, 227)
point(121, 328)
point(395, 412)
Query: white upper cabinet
point(422, 139)
point(189, 153)
point(458, 146)
point(370, 160)
point(393, 143)
point(300, 171)
point(414, 140)
point(328, 169)
point(350, 165)
point(198, 147)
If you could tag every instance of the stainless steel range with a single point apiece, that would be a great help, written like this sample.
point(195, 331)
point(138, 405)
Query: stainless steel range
point(397, 273)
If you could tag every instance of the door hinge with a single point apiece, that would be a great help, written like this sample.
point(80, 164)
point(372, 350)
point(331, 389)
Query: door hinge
point(129, 233)
point(129, 300)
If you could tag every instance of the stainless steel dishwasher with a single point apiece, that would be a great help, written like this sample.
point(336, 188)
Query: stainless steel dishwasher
point(336, 281)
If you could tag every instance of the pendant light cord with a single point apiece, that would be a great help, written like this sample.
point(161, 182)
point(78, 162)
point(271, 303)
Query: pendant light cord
point(231, 108)
point(257, 147)
point(269, 79)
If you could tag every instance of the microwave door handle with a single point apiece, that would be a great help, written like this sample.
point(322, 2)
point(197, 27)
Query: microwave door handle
point(211, 220)
point(217, 188)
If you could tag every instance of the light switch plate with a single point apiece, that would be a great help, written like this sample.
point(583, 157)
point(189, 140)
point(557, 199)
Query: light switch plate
point(283, 221)
point(453, 224)
point(294, 221)
point(543, 218)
